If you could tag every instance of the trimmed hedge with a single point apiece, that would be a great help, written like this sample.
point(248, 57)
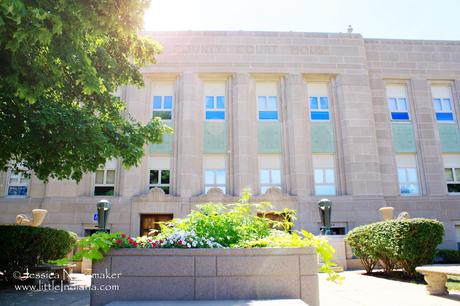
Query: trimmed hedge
point(449, 256)
point(26, 246)
point(396, 243)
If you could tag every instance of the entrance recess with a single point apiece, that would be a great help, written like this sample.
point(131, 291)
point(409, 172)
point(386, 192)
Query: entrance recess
point(150, 222)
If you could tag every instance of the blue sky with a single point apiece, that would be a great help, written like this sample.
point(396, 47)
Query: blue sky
point(414, 19)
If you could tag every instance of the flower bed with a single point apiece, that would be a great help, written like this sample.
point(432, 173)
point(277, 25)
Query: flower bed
point(223, 251)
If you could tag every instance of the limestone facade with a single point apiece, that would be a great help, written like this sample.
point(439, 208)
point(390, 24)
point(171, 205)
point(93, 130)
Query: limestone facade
point(360, 138)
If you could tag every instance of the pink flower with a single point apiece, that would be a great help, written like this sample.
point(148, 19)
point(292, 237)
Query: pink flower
point(179, 242)
point(118, 241)
point(123, 235)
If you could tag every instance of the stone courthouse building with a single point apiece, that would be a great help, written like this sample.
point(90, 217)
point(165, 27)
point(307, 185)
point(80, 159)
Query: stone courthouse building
point(296, 117)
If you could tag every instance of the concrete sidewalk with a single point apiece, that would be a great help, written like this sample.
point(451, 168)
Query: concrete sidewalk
point(77, 297)
point(356, 290)
point(361, 290)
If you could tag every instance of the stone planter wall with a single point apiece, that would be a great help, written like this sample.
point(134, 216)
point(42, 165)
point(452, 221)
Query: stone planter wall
point(207, 274)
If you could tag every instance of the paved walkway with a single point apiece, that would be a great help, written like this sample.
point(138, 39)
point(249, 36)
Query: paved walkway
point(77, 297)
point(356, 290)
point(361, 290)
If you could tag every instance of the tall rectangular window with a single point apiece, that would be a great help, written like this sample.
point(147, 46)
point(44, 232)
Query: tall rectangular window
point(407, 174)
point(398, 103)
point(268, 108)
point(104, 184)
point(269, 172)
point(319, 108)
point(398, 108)
point(215, 100)
point(159, 178)
point(162, 99)
point(160, 173)
point(324, 174)
point(452, 172)
point(318, 101)
point(18, 184)
point(215, 107)
point(443, 103)
point(104, 179)
point(215, 173)
point(162, 107)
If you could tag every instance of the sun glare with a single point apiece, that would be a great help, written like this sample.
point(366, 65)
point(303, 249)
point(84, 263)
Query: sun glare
point(166, 15)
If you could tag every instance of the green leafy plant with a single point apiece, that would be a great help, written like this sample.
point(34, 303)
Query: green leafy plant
point(227, 224)
point(23, 247)
point(301, 239)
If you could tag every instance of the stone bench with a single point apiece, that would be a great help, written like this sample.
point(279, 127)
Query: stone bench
point(283, 302)
point(436, 277)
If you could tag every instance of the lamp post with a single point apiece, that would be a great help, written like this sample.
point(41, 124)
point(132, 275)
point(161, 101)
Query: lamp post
point(325, 206)
point(103, 210)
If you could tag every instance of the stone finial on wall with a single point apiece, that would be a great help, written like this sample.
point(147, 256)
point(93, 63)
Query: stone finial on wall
point(214, 195)
point(277, 198)
point(404, 215)
point(38, 215)
point(387, 213)
point(155, 195)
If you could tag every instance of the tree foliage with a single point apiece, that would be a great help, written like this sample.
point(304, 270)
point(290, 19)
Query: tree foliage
point(61, 61)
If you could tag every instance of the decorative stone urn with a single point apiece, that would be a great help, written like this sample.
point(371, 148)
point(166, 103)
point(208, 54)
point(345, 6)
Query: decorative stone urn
point(387, 213)
point(38, 215)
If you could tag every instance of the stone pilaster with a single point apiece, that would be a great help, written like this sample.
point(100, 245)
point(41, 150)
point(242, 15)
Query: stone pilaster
point(189, 170)
point(384, 138)
point(358, 136)
point(297, 136)
point(244, 144)
point(134, 181)
point(429, 148)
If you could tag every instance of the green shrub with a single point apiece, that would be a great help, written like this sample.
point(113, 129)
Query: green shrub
point(397, 243)
point(361, 242)
point(26, 246)
point(449, 256)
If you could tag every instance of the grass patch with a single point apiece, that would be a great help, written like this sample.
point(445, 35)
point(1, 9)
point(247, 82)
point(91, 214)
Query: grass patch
point(453, 282)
